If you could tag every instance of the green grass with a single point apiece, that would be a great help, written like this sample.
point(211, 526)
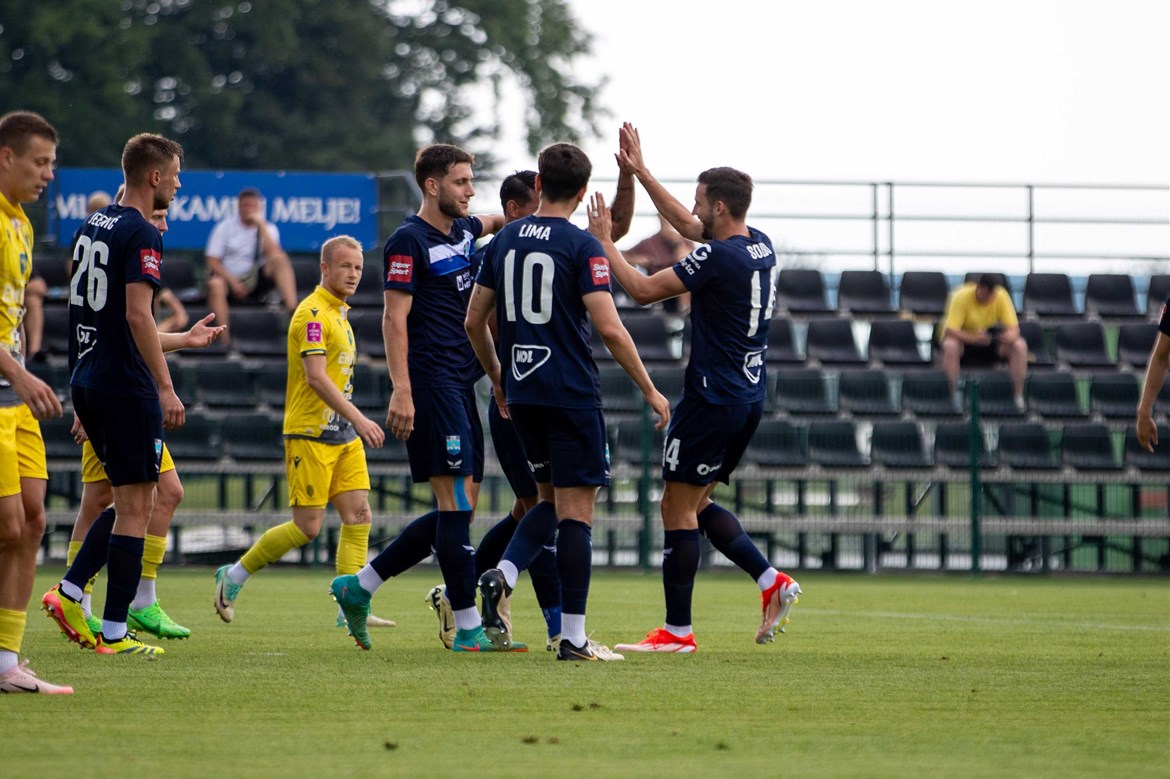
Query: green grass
point(877, 676)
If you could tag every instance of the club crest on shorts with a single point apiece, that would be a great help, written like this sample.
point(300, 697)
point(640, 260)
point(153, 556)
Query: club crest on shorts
point(454, 445)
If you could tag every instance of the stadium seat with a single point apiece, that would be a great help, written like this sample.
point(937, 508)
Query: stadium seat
point(59, 443)
point(371, 390)
point(1026, 446)
point(619, 394)
point(1114, 395)
point(307, 273)
point(392, 452)
point(1082, 345)
point(178, 272)
point(776, 444)
point(864, 292)
point(55, 333)
point(197, 439)
point(972, 277)
point(928, 394)
point(271, 379)
point(952, 446)
point(367, 333)
point(370, 293)
point(55, 270)
point(895, 342)
point(1134, 342)
point(924, 293)
point(658, 336)
point(1049, 295)
point(833, 444)
point(629, 443)
point(831, 341)
point(1157, 460)
point(1111, 295)
point(899, 445)
point(217, 349)
point(252, 436)
point(1089, 448)
point(1038, 354)
point(803, 392)
point(802, 291)
point(996, 394)
point(670, 380)
point(259, 332)
point(1157, 293)
point(1054, 395)
point(866, 393)
point(782, 343)
point(224, 384)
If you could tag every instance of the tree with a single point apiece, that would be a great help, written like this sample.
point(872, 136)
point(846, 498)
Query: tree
point(294, 84)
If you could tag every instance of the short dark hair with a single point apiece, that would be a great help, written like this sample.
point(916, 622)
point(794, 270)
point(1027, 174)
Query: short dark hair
point(248, 192)
point(732, 186)
point(519, 186)
point(989, 280)
point(564, 171)
point(147, 152)
point(16, 127)
point(435, 160)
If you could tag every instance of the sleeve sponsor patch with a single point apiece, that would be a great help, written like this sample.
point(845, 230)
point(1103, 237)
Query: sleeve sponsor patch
point(599, 270)
point(399, 268)
point(313, 333)
point(151, 263)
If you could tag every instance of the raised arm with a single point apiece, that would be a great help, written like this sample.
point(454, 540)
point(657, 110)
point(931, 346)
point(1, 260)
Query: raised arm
point(643, 289)
point(630, 156)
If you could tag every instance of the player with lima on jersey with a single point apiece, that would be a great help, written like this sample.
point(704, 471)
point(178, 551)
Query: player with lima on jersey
point(732, 281)
point(545, 278)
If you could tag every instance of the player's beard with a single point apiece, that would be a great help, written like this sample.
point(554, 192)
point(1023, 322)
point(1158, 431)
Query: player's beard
point(161, 203)
point(449, 206)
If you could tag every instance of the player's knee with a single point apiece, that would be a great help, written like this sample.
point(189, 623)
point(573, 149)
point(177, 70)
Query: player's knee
point(11, 527)
point(170, 494)
point(952, 347)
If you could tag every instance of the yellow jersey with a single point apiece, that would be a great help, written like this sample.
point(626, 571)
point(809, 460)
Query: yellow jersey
point(16, 245)
point(966, 313)
point(320, 325)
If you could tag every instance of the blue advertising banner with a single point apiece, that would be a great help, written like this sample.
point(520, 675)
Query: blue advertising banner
point(307, 208)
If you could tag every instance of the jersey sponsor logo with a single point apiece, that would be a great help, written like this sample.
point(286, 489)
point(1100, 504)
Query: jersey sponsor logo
point(151, 263)
point(526, 358)
point(86, 340)
point(703, 468)
point(753, 366)
point(313, 332)
point(400, 268)
point(599, 267)
point(694, 261)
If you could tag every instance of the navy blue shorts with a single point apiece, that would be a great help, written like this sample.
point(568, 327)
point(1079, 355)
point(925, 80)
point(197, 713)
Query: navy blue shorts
point(126, 433)
point(704, 442)
point(448, 437)
point(566, 446)
point(510, 453)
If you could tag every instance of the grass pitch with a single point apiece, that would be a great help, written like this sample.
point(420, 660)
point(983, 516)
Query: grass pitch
point(877, 676)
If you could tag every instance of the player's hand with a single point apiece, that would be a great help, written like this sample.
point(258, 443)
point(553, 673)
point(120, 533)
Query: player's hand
point(370, 432)
point(501, 401)
point(624, 166)
point(174, 415)
point(77, 431)
point(660, 406)
point(38, 396)
point(203, 334)
point(629, 156)
point(983, 339)
point(1147, 432)
point(600, 221)
point(400, 416)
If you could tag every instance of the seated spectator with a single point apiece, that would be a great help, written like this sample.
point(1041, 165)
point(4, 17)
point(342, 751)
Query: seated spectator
point(980, 329)
point(662, 250)
point(245, 262)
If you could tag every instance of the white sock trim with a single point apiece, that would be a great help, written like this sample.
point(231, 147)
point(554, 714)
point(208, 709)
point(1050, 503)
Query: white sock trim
point(767, 579)
point(511, 573)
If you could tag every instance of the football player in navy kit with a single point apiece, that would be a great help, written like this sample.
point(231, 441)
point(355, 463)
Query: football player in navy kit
point(732, 281)
point(122, 388)
point(1159, 363)
point(544, 278)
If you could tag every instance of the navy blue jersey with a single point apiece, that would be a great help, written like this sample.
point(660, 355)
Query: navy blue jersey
point(435, 269)
point(541, 269)
point(114, 247)
point(733, 292)
point(1164, 319)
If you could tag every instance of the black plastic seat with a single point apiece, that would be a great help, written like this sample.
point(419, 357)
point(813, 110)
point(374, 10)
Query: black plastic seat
point(997, 395)
point(224, 384)
point(776, 444)
point(1134, 342)
point(619, 394)
point(1111, 295)
point(55, 271)
point(924, 293)
point(831, 341)
point(308, 275)
point(1089, 448)
point(252, 436)
point(833, 444)
point(371, 389)
point(370, 292)
point(782, 343)
point(1054, 395)
point(1157, 460)
point(952, 446)
point(1039, 355)
point(1157, 293)
point(895, 342)
point(1026, 446)
point(271, 380)
point(1049, 295)
point(1114, 395)
point(657, 336)
point(1082, 345)
point(973, 277)
point(367, 333)
point(803, 392)
point(866, 393)
point(928, 394)
point(178, 274)
point(899, 445)
point(59, 443)
point(670, 380)
point(197, 439)
point(259, 333)
point(55, 332)
point(802, 291)
point(864, 292)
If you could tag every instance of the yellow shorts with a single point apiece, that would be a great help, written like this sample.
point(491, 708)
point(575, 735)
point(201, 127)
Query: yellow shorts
point(22, 449)
point(92, 470)
point(316, 471)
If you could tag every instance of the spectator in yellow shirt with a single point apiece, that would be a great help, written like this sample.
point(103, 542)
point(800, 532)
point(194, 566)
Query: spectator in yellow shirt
point(981, 329)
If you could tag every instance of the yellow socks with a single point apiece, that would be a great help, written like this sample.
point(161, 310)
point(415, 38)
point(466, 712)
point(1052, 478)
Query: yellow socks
point(273, 545)
point(353, 547)
point(11, 630)
point(153, 552)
